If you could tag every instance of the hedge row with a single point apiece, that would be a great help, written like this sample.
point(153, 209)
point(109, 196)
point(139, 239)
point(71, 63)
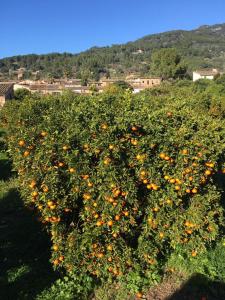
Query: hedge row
point(120, 181)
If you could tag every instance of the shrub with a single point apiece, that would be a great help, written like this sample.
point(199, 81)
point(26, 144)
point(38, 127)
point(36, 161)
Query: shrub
point(120, 181)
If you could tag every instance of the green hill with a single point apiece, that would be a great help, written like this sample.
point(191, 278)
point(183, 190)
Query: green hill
point(202, 47)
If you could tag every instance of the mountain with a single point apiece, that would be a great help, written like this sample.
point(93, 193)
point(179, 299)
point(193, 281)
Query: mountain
point(202, 47)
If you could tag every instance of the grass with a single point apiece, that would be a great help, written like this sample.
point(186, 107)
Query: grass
point(24, 245)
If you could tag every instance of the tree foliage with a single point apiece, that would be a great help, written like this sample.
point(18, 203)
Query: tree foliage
point(122, 181)
point(167, 64)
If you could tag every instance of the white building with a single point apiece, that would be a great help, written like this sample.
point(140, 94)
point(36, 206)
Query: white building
point(205, 74)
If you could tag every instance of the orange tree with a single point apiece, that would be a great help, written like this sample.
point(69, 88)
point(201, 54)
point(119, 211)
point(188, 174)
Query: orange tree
point(121, 181)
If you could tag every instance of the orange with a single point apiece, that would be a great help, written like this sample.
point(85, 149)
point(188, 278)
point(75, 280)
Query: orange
point(139, 295)
point(43, 133)
point(26, 153)
point(109, 247)
point(110, 223)
point(35, 194)
point(56, 262)
point(104, 126)
point(208, 172)
point(72, 170)
point(55, 247)
point(177, 187)
point(162, 155)
point(21, 143)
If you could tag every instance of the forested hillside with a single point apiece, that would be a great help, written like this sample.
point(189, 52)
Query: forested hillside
point(203, 47)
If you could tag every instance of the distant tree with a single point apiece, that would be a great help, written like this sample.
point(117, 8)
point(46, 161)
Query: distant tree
point(167, 64)
point(123, 84)
point(21, 94)
point(220, 79)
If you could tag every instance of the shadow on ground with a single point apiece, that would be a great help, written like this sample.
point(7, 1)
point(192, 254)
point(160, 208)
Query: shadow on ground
point(24, 251)
point(199, 287)
point(5, 167)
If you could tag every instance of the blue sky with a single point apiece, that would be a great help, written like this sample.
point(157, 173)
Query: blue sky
point(44, 26)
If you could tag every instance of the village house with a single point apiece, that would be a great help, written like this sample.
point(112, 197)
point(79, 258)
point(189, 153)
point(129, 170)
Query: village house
point(75, 85)
point(140, 84)
point(6, 92)
point(205, 74)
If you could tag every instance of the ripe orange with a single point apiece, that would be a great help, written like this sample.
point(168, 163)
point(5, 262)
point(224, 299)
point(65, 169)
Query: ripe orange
point(143, 173)
point(56, 262)
point(177, 187)
point(161, 234)
point(208, 172)
point(139, 295)
point(99, 223)
point(26, 153)
point(117, 217)
point(155, 187)
point(32, 184)
point(104, 126)
point(65, 147)
point(109, 247)
point(72, 170)
point(45, 189)
point(194, 191)
point(34, 194)
point(107, 161)
point(134, 142)
point(185, 151)
point(21, 143)
point(43, 133)
point(110, 223)
point(162, 155)
point(134, 128)
point(55, 247)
